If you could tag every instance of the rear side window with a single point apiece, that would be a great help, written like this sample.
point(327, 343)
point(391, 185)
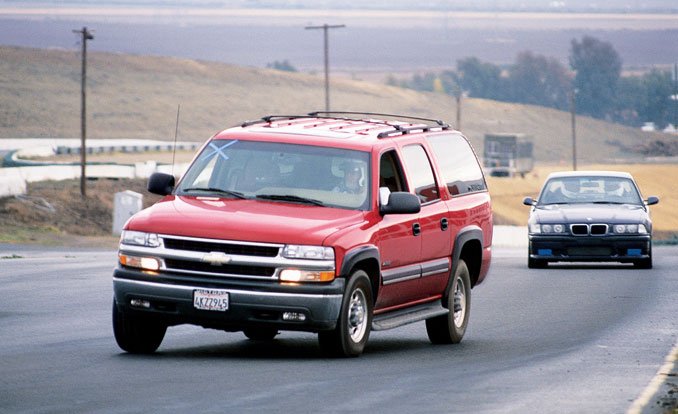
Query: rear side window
point(458, 164)
point(420, 173)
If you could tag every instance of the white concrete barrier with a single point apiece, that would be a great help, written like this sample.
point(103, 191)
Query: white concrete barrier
point(11, 182)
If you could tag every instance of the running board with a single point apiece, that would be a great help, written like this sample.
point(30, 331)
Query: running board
point(405, 316)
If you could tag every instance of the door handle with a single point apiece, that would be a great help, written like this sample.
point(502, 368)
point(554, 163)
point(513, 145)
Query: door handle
point(416, 229)
point(443, 224)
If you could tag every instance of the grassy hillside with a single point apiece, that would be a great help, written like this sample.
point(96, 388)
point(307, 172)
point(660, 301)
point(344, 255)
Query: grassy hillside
point(137, 97)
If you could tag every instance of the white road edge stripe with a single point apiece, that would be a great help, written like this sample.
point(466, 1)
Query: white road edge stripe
point(659, 378)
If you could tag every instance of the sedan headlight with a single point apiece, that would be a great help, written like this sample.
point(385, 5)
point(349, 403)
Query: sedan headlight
point(547, 228)
point(139, 238)
point(629, 229)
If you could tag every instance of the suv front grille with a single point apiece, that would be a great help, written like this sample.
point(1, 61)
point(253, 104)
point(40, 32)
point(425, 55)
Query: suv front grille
point(228, 269)
point(227, 248)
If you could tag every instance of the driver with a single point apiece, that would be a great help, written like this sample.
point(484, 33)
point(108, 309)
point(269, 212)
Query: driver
point(351, 182)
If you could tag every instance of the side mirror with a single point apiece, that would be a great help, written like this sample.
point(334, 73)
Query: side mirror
point(652, 200)
point(528, 201)
point(401, 203)
point(161, 183)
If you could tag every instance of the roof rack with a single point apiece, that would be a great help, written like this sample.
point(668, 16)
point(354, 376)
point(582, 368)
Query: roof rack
point(397, 129)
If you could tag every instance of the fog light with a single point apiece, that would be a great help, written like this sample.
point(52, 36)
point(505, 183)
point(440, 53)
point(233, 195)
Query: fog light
point(140, 303)
point(293, 316)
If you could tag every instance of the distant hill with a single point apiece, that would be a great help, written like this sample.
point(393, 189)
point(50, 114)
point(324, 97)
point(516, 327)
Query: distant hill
point(137, 97)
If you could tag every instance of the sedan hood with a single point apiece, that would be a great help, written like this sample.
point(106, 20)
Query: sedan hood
point(590, 213)
point(245, 220)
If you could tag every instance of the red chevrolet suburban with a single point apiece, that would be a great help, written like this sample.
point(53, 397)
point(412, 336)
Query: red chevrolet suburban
point(337, 223)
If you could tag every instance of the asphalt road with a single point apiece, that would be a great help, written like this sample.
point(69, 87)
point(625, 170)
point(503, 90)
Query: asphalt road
point(562, 340)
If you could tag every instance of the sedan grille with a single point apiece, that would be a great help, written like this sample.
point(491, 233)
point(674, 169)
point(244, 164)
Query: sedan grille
point(588, 229)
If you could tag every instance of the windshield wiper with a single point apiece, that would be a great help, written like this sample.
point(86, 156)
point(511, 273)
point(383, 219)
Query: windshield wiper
point(292, 198)
point(215, 190)
point(608, 202)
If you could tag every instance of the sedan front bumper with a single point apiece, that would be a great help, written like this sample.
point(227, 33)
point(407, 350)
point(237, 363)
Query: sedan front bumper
point(590, 248)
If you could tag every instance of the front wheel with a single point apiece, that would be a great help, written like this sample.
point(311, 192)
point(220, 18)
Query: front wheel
point(451, 327)
point(350, 335)
point(135, 334)
point(536, 263)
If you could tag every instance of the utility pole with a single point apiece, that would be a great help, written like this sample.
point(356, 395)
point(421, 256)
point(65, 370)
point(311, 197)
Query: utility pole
point(574, 128)
point(86, 35)
point(325, 28)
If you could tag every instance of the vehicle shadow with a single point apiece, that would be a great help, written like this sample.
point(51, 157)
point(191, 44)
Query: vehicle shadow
point(591, 266)
point(294, 348)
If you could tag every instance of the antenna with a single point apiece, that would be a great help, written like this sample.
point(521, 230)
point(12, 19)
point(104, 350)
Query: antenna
point(176, 132)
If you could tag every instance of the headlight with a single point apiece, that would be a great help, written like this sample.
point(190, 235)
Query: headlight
point(299, 275)
point(145, 263)
point(629, 229)
point(294, 251)
point(139, 238)
point(547, 228)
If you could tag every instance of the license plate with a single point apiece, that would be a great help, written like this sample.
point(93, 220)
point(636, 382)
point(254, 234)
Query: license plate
point(210, 299)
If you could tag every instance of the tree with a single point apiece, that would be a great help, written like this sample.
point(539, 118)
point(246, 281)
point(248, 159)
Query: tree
point(598, 67)
point(655, 103)
point(538, 80)
point(481, 80)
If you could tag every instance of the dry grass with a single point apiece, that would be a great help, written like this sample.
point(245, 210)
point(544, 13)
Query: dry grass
point(137, 97)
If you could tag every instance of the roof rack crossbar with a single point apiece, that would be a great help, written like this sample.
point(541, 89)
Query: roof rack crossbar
point(396, 128)
point(436, 121)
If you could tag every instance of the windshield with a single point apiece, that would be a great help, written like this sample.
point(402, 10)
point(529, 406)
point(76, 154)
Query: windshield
point(604, 190)
point(280, 172)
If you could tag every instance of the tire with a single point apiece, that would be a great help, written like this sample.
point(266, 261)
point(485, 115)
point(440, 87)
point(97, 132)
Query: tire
point(536, 263)
point(451, 327)
point(644, 263)
point(349, 337)
point(136, 335)
point(260, 334)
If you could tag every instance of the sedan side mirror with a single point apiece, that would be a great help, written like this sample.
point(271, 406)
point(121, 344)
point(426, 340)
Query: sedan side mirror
point(529, 201)
point(401, 202)
point(652, 200)
point(161, 183)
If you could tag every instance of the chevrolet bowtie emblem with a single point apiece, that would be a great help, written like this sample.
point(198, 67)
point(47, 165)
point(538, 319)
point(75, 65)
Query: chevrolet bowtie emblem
point(216, 258)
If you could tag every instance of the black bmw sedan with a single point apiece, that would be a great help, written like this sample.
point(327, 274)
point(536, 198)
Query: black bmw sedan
point(586, 216)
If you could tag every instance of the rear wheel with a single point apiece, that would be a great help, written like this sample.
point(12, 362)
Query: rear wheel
point(135, 334)
point(260, 334)
point(350, 335)
point(450, 328)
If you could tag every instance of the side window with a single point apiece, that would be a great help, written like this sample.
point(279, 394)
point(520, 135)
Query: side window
point(421, 174)
point(458, 164)
point(391, 172)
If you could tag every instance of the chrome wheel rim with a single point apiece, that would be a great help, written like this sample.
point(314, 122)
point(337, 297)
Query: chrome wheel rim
point(357, 315)
point(459, 303)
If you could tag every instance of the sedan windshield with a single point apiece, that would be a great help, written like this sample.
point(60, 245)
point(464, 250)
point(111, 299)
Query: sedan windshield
point(601, 190)
point(291, 173)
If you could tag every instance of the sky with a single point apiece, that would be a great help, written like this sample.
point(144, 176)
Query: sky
point(449, 5)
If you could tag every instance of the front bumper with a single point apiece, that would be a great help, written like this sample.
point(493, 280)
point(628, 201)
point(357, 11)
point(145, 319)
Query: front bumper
point(251, 303)
point(590, 248)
